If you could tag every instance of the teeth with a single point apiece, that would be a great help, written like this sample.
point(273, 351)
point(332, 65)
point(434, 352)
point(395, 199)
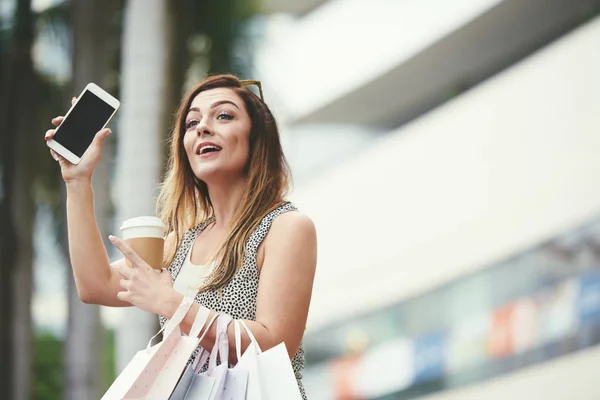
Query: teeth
point(204, 148)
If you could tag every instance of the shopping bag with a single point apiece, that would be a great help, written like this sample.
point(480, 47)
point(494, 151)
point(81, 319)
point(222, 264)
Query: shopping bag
point(248, 364)
point(182, 388)
point(273, 373)
point(236, 379)
point(154, 371)
point(209, 385)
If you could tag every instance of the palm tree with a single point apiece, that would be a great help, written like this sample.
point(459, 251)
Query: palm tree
point(21, 92)
point(16, 208)
point(94, 44)
point(28, 175)
point(142, 118)
point(28, 99)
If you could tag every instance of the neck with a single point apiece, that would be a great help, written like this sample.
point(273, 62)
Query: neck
point(226, 198)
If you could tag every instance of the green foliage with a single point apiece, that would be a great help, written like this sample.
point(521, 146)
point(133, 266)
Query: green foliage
point(48, 372)
point(54, 21)
point(108, 360)
point(47, 367)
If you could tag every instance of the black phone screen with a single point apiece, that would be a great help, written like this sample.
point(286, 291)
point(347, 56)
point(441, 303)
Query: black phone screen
point(88, 116)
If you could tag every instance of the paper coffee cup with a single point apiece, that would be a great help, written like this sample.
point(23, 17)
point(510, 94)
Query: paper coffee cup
point(145, 235)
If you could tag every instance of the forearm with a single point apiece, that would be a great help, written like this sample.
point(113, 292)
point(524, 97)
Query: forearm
point(263, 336)
point(89, 259)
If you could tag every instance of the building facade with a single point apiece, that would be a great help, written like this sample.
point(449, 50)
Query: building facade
point(447, 152)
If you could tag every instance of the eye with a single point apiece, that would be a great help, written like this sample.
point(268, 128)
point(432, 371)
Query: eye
point(191, 123)
point(225, 116)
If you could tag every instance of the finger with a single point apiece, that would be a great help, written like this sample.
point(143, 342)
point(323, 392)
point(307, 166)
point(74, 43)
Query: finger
point(132, 256)
point(49, 134)
point(102, 134)
point(97, 144)
point(54, 155)
point(73, 100)
point(99, 139)
point(126, 270)
point(124, 296)
point(61, 160)
point(56, 121)
point(125, 283)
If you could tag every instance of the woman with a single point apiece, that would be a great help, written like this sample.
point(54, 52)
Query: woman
point(231, 232)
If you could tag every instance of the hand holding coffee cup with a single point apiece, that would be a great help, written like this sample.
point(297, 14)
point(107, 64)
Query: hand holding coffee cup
point(145, 236)
point(142, 246)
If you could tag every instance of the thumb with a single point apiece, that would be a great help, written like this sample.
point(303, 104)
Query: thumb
point(100, 136)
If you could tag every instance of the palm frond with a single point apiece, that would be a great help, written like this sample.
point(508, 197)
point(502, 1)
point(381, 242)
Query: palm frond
point(54, 21)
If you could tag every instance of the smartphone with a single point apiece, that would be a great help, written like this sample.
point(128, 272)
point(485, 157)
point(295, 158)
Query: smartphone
point(91, 112)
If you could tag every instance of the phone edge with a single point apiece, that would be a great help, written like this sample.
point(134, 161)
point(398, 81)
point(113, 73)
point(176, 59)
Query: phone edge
point(63, 151)
point(104, 96)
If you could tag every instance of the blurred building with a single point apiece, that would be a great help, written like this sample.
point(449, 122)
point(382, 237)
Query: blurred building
point(448, 154)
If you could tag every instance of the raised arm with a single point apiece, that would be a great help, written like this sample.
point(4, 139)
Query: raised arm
point(96, 280)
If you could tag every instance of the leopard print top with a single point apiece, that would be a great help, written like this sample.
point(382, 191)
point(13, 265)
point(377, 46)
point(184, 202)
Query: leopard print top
point(238, 298)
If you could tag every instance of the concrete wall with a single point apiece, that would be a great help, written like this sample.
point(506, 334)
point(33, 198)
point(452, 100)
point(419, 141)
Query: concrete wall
point(494, 171)
point(344, 44)
point(545, 381)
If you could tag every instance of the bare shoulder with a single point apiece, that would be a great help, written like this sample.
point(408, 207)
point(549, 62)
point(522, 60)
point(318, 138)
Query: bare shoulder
point(290, 244)
point(291, 232)
point(293, 224)
point(292, 236)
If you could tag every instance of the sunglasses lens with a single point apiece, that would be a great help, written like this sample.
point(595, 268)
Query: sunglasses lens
point(246, 83)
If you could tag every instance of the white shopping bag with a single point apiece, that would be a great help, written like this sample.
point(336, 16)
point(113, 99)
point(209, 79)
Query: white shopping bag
point(274, 372)
point(209, 384)
point(236, 380)
point(154, 371)
point(248, 364)
point(183, 386)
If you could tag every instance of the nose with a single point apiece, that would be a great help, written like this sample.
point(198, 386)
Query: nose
point(203, 128)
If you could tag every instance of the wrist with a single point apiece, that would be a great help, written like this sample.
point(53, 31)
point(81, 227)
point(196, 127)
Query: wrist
point(170, 303)
point(78, 185)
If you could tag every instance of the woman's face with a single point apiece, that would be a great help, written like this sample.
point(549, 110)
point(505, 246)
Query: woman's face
point(217, 135)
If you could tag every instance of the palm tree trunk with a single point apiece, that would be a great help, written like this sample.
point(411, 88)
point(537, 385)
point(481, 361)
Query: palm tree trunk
point(24, 215)
point(17, 210)
point(92, 38)
point(16, 214)
point(144, 92)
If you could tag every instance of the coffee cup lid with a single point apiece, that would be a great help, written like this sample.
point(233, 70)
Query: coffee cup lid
point(148, 221)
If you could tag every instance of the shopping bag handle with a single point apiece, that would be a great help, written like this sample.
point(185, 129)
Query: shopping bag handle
point(181, 312)
point(221, 346)
point(251, 336)
point(201, 318)
point(203, 355)
point(238, 339)
point(177, 317)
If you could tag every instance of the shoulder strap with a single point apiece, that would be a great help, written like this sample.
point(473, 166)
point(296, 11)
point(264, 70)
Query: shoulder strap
point(261, 231)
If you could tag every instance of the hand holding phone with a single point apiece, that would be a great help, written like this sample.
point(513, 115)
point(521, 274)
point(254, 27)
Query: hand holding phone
point(74, 172)
point(81, 132)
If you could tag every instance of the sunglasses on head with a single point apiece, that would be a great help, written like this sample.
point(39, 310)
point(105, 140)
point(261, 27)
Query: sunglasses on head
point(249, 82)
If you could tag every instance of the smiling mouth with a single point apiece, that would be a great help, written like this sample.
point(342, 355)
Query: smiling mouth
point(207, 149)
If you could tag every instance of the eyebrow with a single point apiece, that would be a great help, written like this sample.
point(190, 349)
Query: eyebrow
point(215, 104)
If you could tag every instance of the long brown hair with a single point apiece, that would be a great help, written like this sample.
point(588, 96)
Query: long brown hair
point(184, 202)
